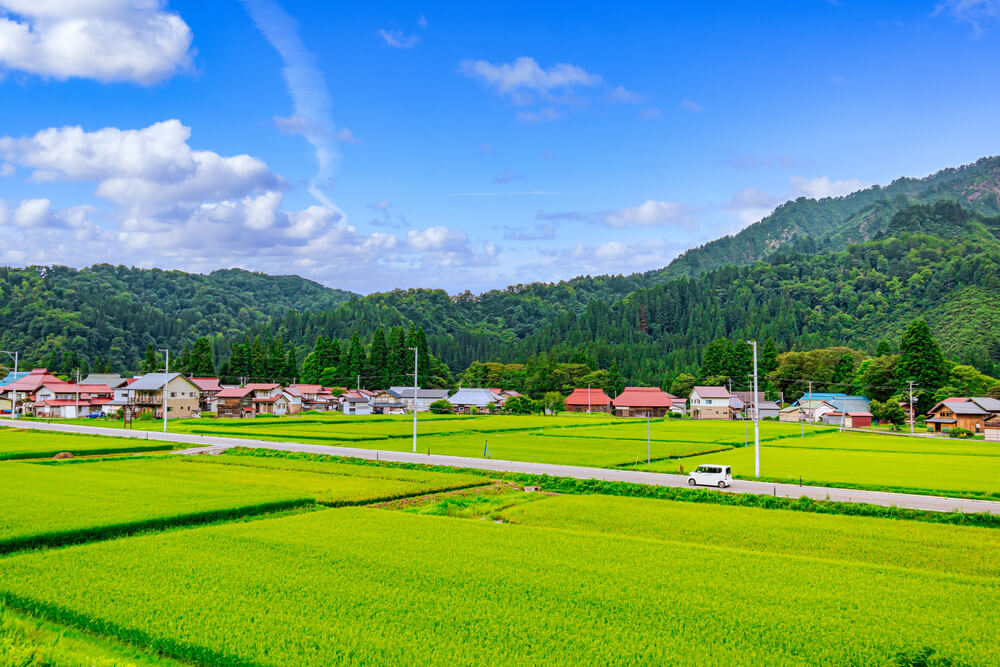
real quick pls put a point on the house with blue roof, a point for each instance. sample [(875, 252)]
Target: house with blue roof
[(843, 403)]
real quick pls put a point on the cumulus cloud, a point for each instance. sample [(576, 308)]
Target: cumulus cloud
[(539, 233), (7, 169), (106, 40), (647, 214), (146, 171), (170, 205), (610, 257), (750, 205)]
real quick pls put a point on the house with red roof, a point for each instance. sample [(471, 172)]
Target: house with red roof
[(588, 400), (235, 403), (208, 388), (24, 388), (643, 402), (65, 400), (710, 403), (268, 398)]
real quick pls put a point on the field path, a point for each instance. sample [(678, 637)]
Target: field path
[(207, 443)]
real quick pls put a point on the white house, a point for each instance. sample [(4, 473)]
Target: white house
[(465, 399), (356, 403), (710, 403), (424, 397)]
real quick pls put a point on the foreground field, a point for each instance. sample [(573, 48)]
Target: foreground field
[(883, 461), (55, 503), (25, 444), (359, 585)]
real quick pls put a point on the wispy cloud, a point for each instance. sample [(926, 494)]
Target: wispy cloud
[(397, 39), (526, 75), (693, 107), (310, 95), (621, 95), (650, 213), (977, 13)]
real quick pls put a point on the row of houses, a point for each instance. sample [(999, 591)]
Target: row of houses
[(703, 403), (42, 394)]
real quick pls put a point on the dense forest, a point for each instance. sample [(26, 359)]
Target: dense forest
[(847, 272)]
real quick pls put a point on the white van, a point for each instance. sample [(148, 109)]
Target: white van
[(711, 475)]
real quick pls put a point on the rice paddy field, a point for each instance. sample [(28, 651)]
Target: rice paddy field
[(360, 585), (162, 559)]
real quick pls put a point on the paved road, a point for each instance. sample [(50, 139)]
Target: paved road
[(211, 444)]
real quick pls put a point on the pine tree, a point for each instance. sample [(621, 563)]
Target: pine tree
[(312, 367), (353, 364), (884, 349), (378, 360), (397, 357), (257, 369), (768, 361), (291, 369), (151, 362), (200, 359)]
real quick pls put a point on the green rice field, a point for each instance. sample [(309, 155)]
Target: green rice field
[(27, 444), (358, 585)]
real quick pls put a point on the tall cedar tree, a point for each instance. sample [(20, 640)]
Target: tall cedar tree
[(398, 358), (200, 362), (920, 360), (378, 361)]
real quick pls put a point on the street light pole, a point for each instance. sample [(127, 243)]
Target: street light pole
[(415, 362), (166, 381), (13, 400), (911, 406), (756, 415)]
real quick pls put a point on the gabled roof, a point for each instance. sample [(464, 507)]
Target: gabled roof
[(12, 376), (207, 384), (960, 407), (987, 403), (859, 414), (768, 405), (32, 380), (263, 386), (234, 392), (473, 396), (584, 396), (113, 380), (157, 381), (747, 396), (306, 388), (711, 392), (813, 404), (407, 392), (643, 397)]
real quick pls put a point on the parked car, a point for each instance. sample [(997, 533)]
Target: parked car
[(711, 475)]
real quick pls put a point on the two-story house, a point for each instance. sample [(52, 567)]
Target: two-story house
[(710, 403), (147, 394)]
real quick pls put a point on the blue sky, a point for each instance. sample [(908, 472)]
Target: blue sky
[(461, 145)]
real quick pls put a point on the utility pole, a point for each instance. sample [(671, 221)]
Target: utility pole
[(415, 361), (359, 383), (588, 399), (77, 413), (756, 416), (910, 382), (13, 400), (648, 447), (166, 381)]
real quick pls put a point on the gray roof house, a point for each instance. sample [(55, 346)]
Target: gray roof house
[(112, 380), (467, 398)]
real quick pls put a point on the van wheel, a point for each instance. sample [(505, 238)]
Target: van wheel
[(690, 481), (722, 485)]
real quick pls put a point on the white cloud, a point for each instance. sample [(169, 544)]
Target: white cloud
[(106, 40), (171, 206), (542, 115), (310, 95), (620, 95), (818, 188), (397, 39), (693, 107), (525, 74), (977, 13), (751, 205), (145, 171), (436, 239), (610, 257), (647, 214)]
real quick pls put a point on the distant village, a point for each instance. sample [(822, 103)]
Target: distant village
[(38, 393)]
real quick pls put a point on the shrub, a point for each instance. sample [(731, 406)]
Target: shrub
[(440, 407), (960, 433), (675, 415)]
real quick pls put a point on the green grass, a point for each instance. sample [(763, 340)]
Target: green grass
[(360, 585), (71, 502), (866, 461), (28, 444)]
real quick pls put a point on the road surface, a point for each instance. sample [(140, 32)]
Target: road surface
[(213, 444)]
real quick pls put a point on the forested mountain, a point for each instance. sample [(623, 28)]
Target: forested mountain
[(112, 312), (835, 222), (798, 276)]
